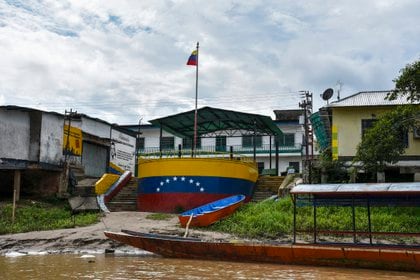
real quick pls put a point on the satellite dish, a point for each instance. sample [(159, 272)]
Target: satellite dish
[(328, 93)]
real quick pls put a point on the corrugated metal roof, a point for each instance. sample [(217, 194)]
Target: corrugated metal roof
[(356, 188), (210, 120), (369, 98)]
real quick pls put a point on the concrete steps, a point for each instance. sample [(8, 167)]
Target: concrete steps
[(126, 199), (266, 187)]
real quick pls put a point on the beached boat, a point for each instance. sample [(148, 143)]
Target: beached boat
[(348, 255), (174, 185), (212, 212)]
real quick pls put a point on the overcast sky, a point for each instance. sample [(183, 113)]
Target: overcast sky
[(125, 60)]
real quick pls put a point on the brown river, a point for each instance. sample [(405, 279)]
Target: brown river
[(120, 267)]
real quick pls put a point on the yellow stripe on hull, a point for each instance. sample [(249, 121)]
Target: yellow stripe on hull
[(214, 167)]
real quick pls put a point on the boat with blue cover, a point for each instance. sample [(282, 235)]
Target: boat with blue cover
[(210, 213)]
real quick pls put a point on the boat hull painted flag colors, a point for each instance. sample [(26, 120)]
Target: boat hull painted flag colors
[(193, 59)]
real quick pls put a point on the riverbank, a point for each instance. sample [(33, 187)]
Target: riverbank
[(91, 238)]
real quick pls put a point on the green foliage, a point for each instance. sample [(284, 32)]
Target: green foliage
[(334, 170), (159, 216), (271, 219), (382, 144), (41, 215), (408, 83), (265, 219)]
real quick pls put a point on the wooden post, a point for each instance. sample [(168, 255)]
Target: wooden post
[(14, 206), (16, 184)]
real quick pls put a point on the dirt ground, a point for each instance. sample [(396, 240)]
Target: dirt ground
[(92, 239)]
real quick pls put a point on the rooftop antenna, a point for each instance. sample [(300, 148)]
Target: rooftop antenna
[(340, 85), (328, 93)]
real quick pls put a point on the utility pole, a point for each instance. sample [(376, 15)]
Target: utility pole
[(138, 136), (306, 105), (68, 115)]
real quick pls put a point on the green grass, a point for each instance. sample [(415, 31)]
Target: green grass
[(47, 214), (159, 216), (272, 219)]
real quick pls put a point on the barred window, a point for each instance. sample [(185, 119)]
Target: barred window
[(247, 141), (187, 143)]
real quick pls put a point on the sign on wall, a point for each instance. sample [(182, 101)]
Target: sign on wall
[(72, 141), (122, 151)]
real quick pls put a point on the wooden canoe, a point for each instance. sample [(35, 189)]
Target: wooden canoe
[(345, 255), (212, 212)]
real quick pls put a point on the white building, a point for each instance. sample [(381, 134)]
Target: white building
[(32, 145), (153, 141)]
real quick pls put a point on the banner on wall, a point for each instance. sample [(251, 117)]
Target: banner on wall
[(72, 141), (122, 151)]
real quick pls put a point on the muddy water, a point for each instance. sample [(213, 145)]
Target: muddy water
[(147, 267)]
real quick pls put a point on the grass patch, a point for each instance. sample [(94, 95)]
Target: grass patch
[(47, 214), (272, 219), (159, 216)]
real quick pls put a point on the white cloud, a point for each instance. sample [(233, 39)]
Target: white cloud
[(118, 60)]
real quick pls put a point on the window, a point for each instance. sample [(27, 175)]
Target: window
[(167, 142), (404, 137), (366, 124), (140, 143), (247, 141), (187, 143), (221, 143), (288, 140)]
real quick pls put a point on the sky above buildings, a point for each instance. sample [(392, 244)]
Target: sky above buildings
[(125, 60)]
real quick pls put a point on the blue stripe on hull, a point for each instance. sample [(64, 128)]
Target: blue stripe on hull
[(193, 184)]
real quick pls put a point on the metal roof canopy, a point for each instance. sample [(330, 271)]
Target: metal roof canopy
[(351, 195), (337, 190), (213, 121), (379, 194)]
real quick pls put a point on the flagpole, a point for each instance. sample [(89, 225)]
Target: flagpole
[(196, 98)]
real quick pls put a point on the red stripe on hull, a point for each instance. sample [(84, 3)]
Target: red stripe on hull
[(176, 202)]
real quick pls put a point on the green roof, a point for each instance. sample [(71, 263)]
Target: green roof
[(214, 121)]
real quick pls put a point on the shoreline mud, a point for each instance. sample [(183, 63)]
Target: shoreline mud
[(91, 239)]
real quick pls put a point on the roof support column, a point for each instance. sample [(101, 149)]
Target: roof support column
[(160, 141), (253, 141), (277, 156), (314, 219), (270, 151), (354, 219), (294, 218), (369, 221)]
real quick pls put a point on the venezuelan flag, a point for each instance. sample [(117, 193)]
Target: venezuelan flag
[(193, 58)]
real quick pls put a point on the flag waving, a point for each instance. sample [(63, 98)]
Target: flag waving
[(193, 59)]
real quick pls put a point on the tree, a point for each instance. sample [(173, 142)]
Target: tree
[(384, 143), (408, 83)]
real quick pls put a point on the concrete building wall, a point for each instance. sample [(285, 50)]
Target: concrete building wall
[(51, 144), (348, 122), (96, 128), (15, 134)]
